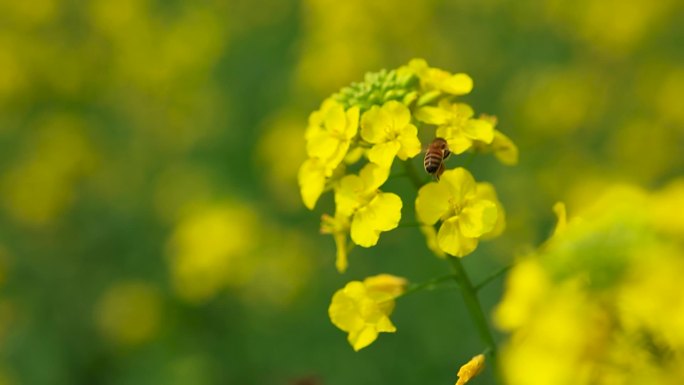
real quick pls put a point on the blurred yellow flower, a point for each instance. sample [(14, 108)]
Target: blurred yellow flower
[(501, 145), (129, 313), (471, 369), (600, 301), (208, 250), (456, 124), (390, 131), (465, 208), (435, 79), (371, 210), (42, 184), (362, 309)]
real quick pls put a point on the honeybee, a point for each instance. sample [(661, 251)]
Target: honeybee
[(435, 155)]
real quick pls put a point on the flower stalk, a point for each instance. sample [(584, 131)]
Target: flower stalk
[(469, 293)]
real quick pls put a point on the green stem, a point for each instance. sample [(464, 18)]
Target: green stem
[(475, 309), (427, 285), (492, 277)]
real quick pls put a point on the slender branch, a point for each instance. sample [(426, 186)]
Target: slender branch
[(427, 285), (501, 271), (475, 309)]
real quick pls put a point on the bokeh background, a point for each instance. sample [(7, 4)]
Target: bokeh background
[(151, 229)]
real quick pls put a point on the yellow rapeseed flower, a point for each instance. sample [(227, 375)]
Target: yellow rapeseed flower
[(467, 210), (129, 313), (435, 79), (390, 131), (330, 131), (328, 139), (456, 124), (501, 145), (471, 369), (372, 211), (362, 309)]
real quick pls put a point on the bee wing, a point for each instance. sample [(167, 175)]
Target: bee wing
[(440, 170)]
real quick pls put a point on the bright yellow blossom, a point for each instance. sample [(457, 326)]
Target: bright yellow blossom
[(330, 132), (362, 309), (390, 131), (471, 369), (466, 209), (435, 79), (456, 124), (371, 210), (501, 145), (328, 138)]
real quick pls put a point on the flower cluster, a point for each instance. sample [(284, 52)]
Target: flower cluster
[(362, 309), (600, 302), (352, 142), (368, 125)]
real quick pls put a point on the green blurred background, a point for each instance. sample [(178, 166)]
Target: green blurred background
[(151, 230)]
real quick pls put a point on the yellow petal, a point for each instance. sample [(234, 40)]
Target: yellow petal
[(477, 218), (470, 369), (410, 145), (384, 324), (347, 194), (458, 143), (457, 84), (320, 144), (374, 124), (399, 113), (464, 111), (431, 239), (486, 191), (311, 178), (373, 176), (478, 129), (352, 126), (381, 214), (363, 337), (386, 283), (343, 311), (386, 207), (451, 240), (383, 154), (504, 149), (335, 120), (459, 182), (432, 202), (433, 115)]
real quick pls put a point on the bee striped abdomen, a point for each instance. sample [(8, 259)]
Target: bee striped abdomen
[(434, 157), (432, 161)]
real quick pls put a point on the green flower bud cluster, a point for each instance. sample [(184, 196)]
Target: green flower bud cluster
[(379, 87)]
